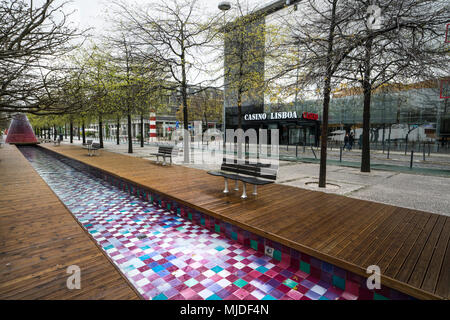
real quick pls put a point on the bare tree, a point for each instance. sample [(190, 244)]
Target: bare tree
[(321, 34), (334, 40), (175, 36), (31, 38), (244, 57), (403, 47), (205, 105)]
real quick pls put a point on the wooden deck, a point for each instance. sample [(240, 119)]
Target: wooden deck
[(39, 239), (411, 247)]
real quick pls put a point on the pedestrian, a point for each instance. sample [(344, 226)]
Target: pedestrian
[(351, 140), (346, 141)]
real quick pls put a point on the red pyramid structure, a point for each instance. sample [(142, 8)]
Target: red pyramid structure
[(20, 131)]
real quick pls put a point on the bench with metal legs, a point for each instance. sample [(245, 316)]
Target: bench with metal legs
[(165, 151), (255, 174), (93, 148)]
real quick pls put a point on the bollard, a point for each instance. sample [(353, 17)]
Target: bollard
[(389, 148), (296, 151), (429, 149), (411, 162), (313, 152), (340, 154), (424, 152)]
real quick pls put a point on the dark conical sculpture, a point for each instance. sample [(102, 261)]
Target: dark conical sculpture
[(20, 131)]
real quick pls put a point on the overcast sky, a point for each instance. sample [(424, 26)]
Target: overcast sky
[(92, 13)]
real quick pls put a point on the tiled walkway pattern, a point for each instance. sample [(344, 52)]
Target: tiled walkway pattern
[(167, 257)]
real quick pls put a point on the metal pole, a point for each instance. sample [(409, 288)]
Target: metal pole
[(340, 154), (224, 6), (406, 145), (412, 156), (424, 151), (313, 152)]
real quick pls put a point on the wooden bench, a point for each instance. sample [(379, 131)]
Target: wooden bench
[(165, 152), (57, 142), (253, 173), (87, 144), (93, 148)]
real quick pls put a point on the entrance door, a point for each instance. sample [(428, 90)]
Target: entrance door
[(294, 135), (284, 134)]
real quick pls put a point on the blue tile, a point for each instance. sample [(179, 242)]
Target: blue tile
[(262, 269), (217, 269), (160, 297), (158, 268)]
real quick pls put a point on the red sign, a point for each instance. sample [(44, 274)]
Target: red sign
[(310, 116)]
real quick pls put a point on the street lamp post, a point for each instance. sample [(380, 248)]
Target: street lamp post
[(224, 6)]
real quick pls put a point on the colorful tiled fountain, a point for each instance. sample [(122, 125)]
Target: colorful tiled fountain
[(168, 251)]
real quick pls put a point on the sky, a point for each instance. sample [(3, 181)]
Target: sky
[(92, 13)]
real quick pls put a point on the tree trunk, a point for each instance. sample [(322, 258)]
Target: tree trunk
[(130, 138), (186, 138), (71, 131), (367, 88), (142, 131), (326, 101), (118, 131), (55, 132), (100, 130), (78, 131), (206, 122), (239, 105), (83, 132)]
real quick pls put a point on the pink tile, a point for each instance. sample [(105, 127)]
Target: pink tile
[(241, 293), (294, 294)]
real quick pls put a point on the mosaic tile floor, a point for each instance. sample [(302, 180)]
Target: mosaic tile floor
[(167, 257)]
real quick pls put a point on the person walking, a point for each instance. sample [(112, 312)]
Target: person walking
[(351, 141), (346, 141)]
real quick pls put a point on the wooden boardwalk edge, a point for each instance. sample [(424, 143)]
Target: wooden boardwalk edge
[(33, 265)]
